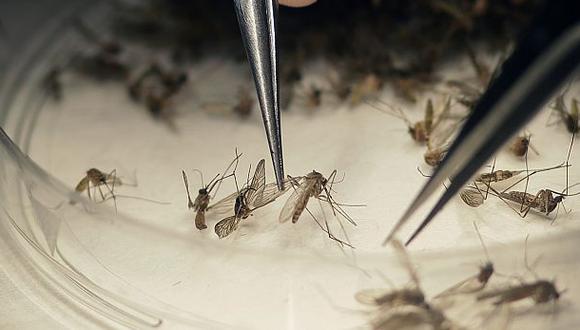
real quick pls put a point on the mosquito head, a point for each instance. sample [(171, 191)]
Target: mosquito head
[(553, 203), (485, 272), (202, 191), (546, 291)]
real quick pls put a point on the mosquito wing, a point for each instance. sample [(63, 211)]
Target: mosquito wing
[(406, 261), (224, 205), (371, 296), (471, 197), (258, 183), (269, 194), (290, 206), (468, 285), (226, 226), (83, 184)]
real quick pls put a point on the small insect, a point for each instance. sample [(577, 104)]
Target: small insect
[(314, 185), (313, 97), (473, 283), (570, 117), (419, 130), (94, 179), (365, 88), (389, 298), (104, 62), (201, 203), (521, 144), (404, 308), (540, 291), (254, 195), (434, 156), (245, 103), (155, 87), (544, 201)]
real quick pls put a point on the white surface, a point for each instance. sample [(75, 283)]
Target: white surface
[(163, 254)]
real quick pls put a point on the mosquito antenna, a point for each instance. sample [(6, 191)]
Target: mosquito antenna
[(527, 265), (200, 176), (212, 183), (481, 241), (186, 183)]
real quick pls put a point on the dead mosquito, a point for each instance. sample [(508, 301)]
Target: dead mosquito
[(570, 117), (312, 96), (365, 88), (473, 283), (94, 179), (245, 104), (474, 195), (155, 87), (391, 298), (204, 194), (520, 145), (315, 185), (540, 291), (403, 308), (245, 201), (102, 63)]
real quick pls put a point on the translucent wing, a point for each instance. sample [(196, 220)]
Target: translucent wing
[(370, 296), (290, 206), (406, 261), (83, 184), (471, 197), (258, 184), (224, 205), (469, 285), (268, 195), (226, 226)]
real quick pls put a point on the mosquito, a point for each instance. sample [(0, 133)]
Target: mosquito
[(391, 298), (201, 203), (245, 201), (520, 145), (315, 185), (476, 282), (420, 130), (245, 103), (94, 179), (102, 64), (312, 97), (402, 308), (364, 88), (540, 291), (570, 117)]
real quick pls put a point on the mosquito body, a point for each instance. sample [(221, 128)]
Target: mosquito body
[(544, 201), (254, 195), (387, 298), (473, 283), (94, 179), (540, 291), (313, 185), (202, 200), (245, 104)]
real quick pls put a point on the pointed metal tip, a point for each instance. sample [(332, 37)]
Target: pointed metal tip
[(257, 20)]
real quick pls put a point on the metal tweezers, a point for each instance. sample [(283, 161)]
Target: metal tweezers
[(546, 56)]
